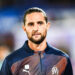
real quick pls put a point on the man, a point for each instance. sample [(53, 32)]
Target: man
[(36, 57)]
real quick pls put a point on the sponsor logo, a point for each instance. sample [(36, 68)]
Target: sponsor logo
[(55, 71), (26, 69)]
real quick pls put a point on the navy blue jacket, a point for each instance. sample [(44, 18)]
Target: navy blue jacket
[(25, 61)]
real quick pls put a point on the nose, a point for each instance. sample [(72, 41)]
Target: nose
[(36, 27)]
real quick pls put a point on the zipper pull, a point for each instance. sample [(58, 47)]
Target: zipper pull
[(39, 52)]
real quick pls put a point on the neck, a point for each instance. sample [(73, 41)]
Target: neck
[(37, 47)]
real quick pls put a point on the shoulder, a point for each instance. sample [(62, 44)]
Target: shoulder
[(56, 51), (15, 56)]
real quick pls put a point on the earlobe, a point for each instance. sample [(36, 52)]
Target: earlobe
[(23, 27)]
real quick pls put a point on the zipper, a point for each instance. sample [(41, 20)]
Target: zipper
[(40, 61)]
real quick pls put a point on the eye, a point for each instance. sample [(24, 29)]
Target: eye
[(40, 23), (30, 24)]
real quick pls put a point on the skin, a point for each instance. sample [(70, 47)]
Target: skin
[(36, 28), (4, 51)]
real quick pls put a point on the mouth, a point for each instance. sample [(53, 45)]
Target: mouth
[(36, 34)]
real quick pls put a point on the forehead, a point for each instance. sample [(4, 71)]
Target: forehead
[(35, 16)]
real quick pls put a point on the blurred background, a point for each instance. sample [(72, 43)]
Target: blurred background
[(61, 14)]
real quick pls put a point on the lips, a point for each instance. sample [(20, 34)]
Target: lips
[(36, 34)]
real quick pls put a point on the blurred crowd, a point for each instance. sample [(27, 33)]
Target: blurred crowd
[(6, 46)]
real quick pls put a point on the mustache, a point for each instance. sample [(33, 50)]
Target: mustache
[(36, 33)]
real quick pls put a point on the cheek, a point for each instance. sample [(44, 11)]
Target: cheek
[(43, 29), (29, 32)]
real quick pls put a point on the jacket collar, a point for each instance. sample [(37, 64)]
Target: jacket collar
[(29, 50)]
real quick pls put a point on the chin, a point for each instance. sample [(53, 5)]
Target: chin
[(37, 41)]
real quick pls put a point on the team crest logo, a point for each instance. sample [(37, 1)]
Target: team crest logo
[(26, 68), (55, 71)]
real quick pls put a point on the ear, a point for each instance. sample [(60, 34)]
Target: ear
[(48, 25), (23, 27)]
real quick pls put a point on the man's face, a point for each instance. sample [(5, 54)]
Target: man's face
[(36, 27)]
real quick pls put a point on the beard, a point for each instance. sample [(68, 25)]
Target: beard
[(38, 41)]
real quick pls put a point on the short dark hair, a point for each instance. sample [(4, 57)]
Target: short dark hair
[(34, 9)]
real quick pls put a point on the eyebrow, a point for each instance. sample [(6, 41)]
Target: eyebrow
[(32, 23), (40, 22)]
